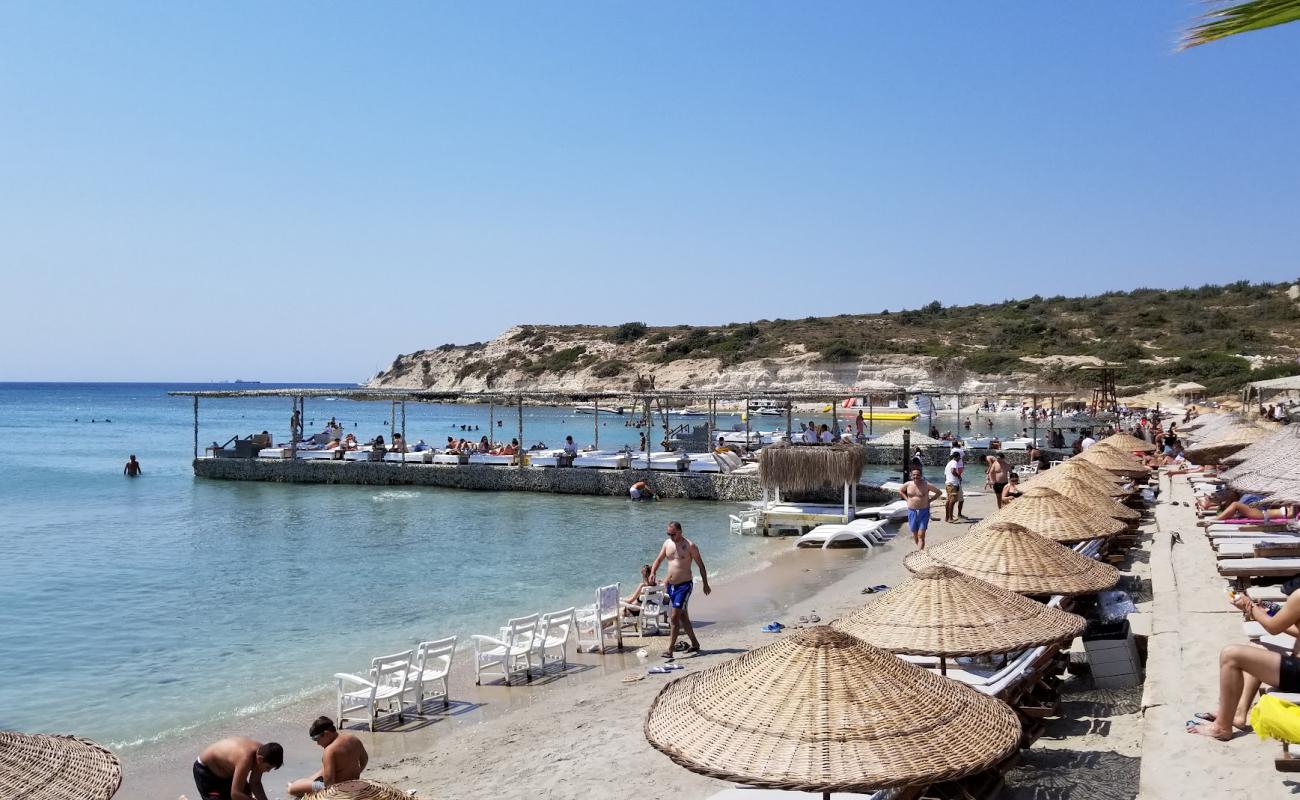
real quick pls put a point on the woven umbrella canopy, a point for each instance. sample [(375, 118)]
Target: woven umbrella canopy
[(942, 612), (1113, 461), (1089, 472), (1051, 514), (1278, 439), (1205, 421), (360, 790), (1235, 438), (823, 711), (800, 468), (47, 767), (1093, 495), (1128, 443), (1008, 555), (895, 439), (1272, 474)]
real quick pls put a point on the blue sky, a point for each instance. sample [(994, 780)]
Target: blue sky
[(300, 191)]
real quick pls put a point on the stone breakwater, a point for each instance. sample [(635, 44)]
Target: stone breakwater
[(475, 477)]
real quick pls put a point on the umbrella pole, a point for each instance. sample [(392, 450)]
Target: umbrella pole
[(943, 665)]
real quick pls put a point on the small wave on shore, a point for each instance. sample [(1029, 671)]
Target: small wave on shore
[(394, 495)]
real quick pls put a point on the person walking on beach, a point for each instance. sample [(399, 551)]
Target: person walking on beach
[(343, 760), (952, 483), (132, 468), (996, 477), (919, 494), (232, 769), (680, 553)]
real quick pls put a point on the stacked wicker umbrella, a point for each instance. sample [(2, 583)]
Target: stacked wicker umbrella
[(823, 711), (1279, 439), (48, 767), (1129, 443), (360, 790), (1207, 422), (1113, 461), (1093, 495), (1089, 473), (1276, 475), (1051, 514), (942, 612), (1009, 555)]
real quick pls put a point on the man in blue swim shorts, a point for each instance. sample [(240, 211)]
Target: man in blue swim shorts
[(680, 553), (919, 494)]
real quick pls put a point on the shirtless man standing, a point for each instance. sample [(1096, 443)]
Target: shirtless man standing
[(343, 760), (232, 769), (919, 494), (998, 474), (680, 552)]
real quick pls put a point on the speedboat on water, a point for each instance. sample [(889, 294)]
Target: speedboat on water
[(594, 409)]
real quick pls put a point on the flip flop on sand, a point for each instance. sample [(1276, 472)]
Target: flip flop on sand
[(803, 620), (1209, 716), (1204, 730), (633, 678), (814, 619)]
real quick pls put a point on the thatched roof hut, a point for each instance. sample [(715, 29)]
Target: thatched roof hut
[(895, 439), (799, 468)]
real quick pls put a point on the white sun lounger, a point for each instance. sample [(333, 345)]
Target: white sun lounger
[(1265, 594), (490, 460), (421, 457), (894, 511), (1259, 567), (544, 458), (601, 459), (444, 458), (865, 531)]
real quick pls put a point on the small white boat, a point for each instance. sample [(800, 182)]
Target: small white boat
[(593, 409)]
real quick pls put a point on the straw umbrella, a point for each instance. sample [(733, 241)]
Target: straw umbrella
[(942, 612), (1093, 495), (360, 790), (1013, 557), (1238, 437), (797, 468), (1089, 472), (1051, 514), (1113, 461), (1278, 439), (48, 767), (895, 439), (823, 711), (1129, 443)]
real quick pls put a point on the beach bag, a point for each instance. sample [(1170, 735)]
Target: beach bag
[(1273, 718)]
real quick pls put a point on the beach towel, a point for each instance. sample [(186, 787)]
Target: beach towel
[(1276, 719)]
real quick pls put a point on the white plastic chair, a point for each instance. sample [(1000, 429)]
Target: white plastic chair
[(745, 522), (600, 620), (511, 654), (551, 644), (429, 671), (651, 618), (384, 689)]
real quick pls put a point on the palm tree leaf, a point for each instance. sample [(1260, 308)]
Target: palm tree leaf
[(1244, 17)]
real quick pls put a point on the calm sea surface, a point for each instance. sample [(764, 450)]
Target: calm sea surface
[(132, 610)]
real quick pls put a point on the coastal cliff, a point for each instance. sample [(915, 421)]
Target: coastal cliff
[(1217, 335)]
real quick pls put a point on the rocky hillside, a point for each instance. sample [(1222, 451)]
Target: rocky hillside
[(1216, 335)]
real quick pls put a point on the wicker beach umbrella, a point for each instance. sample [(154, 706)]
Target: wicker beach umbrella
[(1206, 421), (1277, 439), (943, 612), (1009, 555), (895, 439), (1093, 495), (1275, 475), (47, 767), (1113, 461), (823, 711), (360, 790), (1237, 437), (1051, 514), (1090, 473), (1128, 443)]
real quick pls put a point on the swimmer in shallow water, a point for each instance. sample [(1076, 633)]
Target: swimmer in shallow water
[(132, 468)]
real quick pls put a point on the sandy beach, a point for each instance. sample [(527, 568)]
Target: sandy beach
[(565, 730)]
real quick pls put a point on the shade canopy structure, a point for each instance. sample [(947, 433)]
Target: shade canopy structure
[(943, 612), (1011, 556), (895, 439), (360, 790), (1190, 386), (1226, 442), (792, 467), (1113, 460), (1093, 495), (1129, 443), (1090, 473), (1268, 447), (1206, 423), (823, 711), (1276, 474), (1049, 513), (36, 766)]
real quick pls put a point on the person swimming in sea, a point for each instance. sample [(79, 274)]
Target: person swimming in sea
[(132, 468)]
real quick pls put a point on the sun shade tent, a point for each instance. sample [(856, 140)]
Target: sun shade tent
[(1114, 461), (360, 790), (822, 711), (1011, 556), (943, 612), (50, 767), (1092, 495), (1051, 514), (803, 468), (1232, 440), (895, 439)]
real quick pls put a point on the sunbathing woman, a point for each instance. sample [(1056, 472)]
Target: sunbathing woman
[(349, 442), (647, 580), (1242, 667), (1239, 510)]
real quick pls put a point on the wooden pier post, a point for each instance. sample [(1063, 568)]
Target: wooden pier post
[(405, 443), (1033, 412), (907, 452), (749, 410), (196, 426), (789, 420), (595, 424), (520, 455)]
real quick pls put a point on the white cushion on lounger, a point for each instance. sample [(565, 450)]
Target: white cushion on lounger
[(491, 460), (273, 452), (1266, 594), (894, 511), (1278, 642), (444, 458)]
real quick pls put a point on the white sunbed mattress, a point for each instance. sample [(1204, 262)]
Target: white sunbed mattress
[(444, 458), (544, 458), (491, 460), (604, 460), (410, 458)]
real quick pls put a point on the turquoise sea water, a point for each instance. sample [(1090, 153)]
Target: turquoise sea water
[(131, 610)]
